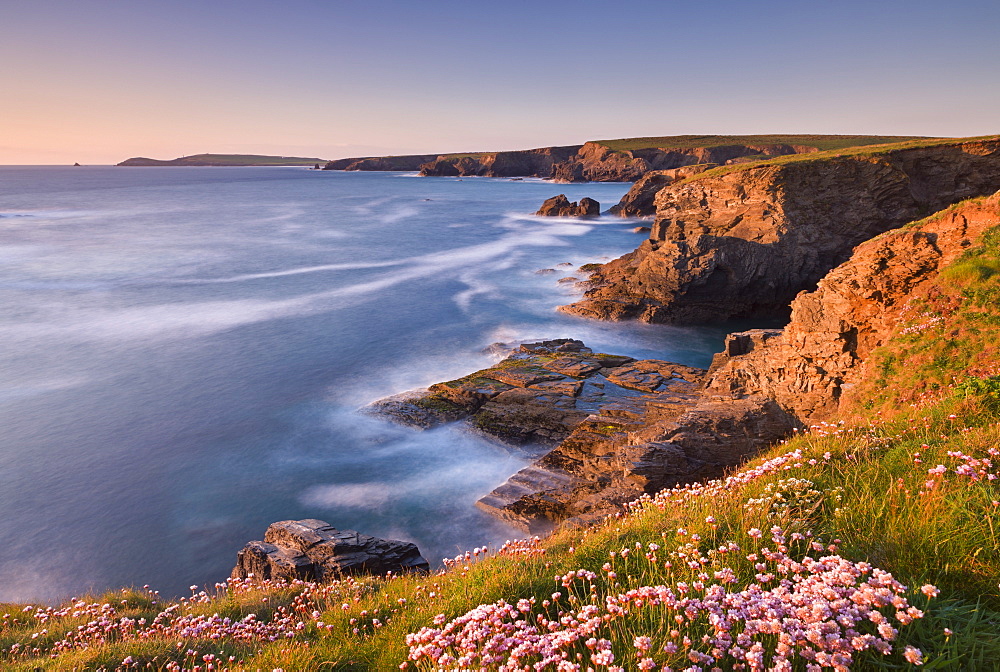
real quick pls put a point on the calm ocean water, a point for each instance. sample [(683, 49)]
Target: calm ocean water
[(184, 351)]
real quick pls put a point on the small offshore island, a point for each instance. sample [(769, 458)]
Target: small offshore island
[(824, 496)]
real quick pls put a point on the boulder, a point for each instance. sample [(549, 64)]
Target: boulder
[(314, 550), (560, 206)]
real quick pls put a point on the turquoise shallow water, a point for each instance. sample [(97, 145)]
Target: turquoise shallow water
[(184, 351)]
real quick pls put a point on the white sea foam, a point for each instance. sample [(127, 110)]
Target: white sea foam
[(398, 214), (347, 266), (349, 495)]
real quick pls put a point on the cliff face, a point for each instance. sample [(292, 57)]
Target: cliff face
[(824, 351), (744, 243), (762, 384), (597, 163), (640, 201), (410, 162), (527, 163)]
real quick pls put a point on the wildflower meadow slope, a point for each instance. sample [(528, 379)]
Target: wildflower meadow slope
[(868, 543)]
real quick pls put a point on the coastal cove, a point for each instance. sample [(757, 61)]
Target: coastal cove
[(186, 348)]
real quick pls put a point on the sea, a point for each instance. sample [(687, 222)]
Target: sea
[(184, 352)]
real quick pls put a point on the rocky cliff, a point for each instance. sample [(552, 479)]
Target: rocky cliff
[(623, 160), (640, 199), (408, 162), (595, 162), (742, 243), (619, 428), (526, 163), (823, 352)]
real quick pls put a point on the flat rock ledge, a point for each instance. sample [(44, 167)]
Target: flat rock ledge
[(537, 395), (614, 427), (313, 550)]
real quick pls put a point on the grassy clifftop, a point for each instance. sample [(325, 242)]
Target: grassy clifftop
[(820, 142), (845, 151), (872, 542)]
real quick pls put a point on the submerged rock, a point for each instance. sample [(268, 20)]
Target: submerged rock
[(315, 550)]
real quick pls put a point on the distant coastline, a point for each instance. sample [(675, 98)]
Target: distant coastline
[(226, 160)]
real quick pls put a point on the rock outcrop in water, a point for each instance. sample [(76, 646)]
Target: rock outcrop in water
[(537, 395), (560, 206), (617, 427), (315, 551), (743, 243)]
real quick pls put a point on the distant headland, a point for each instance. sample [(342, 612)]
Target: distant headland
[(622, 160), (225, 160)]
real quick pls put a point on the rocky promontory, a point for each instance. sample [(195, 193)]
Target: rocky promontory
[(743, 241), (408, 162), (525, 163), (640, 199), (224, 160), (624, 160), (616, 428)]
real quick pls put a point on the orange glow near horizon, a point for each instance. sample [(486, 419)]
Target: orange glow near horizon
[(98, 82)]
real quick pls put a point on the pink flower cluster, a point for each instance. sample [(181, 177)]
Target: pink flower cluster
[(104, 623), (824, 610), (681, 493), (970, 467)]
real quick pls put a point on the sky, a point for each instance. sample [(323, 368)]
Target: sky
[(99, 81)]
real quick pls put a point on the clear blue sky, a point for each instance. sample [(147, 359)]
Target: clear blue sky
[(99, 81)]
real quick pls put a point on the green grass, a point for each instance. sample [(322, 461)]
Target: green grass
[(466, 155), (856, 151), (865, 486), (821, 142)]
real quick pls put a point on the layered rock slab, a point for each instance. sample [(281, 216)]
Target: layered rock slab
[(639, 446), (536, 395), (743, 243), (617, 428), (314, 550)]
